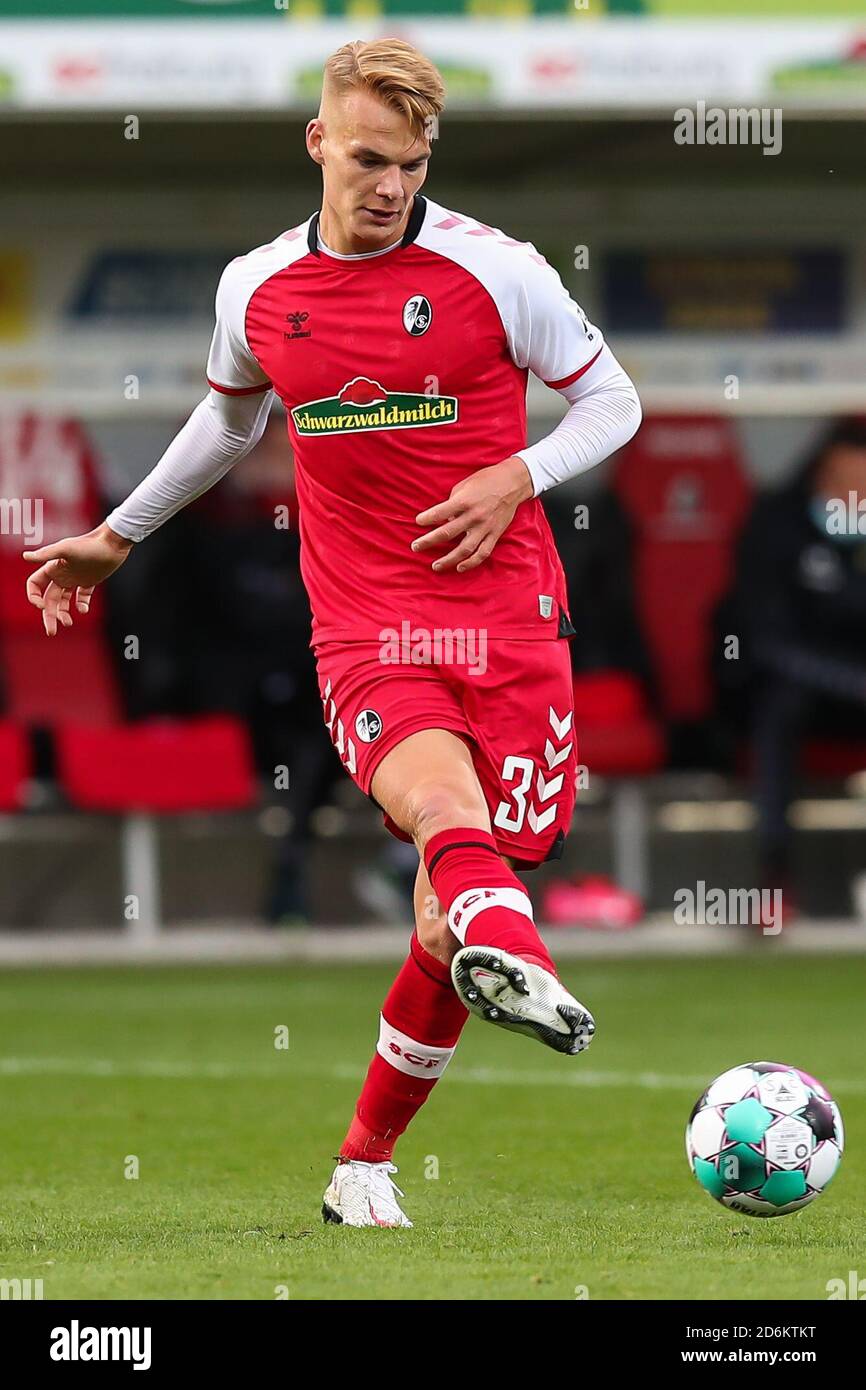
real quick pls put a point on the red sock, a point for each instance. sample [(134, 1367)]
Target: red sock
[(486, 903), (422, 1019)]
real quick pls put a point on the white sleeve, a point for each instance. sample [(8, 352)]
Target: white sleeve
[(231, 365), (220, 431), (547, 331), (605, 413)]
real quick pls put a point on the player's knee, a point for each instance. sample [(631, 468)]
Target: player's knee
[(431, 926), (437, 807)]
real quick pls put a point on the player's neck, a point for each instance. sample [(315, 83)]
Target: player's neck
[(338, 239)]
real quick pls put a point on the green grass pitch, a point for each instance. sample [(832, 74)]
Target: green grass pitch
[(554, 1174)]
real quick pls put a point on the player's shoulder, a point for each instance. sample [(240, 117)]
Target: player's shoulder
[(486, 251), (243, 275)]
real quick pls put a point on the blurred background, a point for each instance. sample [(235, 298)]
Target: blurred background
[(166, 780)]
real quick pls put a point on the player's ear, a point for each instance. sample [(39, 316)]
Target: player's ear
[(313, 136)]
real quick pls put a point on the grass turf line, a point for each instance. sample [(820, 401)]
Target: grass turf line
[(542, 1188)]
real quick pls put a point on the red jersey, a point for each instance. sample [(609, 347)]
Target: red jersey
[(402, 372)]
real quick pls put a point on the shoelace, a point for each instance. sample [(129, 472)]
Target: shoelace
[(380, 1178)]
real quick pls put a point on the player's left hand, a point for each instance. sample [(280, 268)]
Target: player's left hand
[(479, 509)]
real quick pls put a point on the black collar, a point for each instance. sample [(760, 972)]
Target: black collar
[(413, 226)]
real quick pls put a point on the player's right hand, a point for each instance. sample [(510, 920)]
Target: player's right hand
[(72, 568)]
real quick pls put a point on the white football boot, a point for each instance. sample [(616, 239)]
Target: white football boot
[(362, 1194), (513, 994)]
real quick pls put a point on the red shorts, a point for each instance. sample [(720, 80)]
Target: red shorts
[(511, 702)]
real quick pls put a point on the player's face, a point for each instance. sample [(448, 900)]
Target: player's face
[(372, 166), (843, 470)]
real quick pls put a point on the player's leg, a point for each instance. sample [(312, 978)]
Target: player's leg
[(429, 787), (369, 708), (425, 781), (519, 713), (419, 1027)]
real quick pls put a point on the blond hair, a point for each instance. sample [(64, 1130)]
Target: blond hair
[(396, 73)]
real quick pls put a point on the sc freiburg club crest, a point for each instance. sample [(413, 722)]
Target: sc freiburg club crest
[(417, 315), (368, 726)]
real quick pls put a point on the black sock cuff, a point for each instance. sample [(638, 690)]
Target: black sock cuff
[(459, 844)]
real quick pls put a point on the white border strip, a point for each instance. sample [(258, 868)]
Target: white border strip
[(557, 1077), (196, 945)]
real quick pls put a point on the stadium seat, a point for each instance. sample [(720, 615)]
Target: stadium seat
[(68, 677), (617, 737), (682, 483), (15, 765), (833, 757), (155, 767), (47, 470), (158, 765)]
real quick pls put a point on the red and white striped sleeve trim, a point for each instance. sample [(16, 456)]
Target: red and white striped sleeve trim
[(239, 390), (569, 380)]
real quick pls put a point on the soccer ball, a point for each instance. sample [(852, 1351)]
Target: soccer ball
[(764, 1139)]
